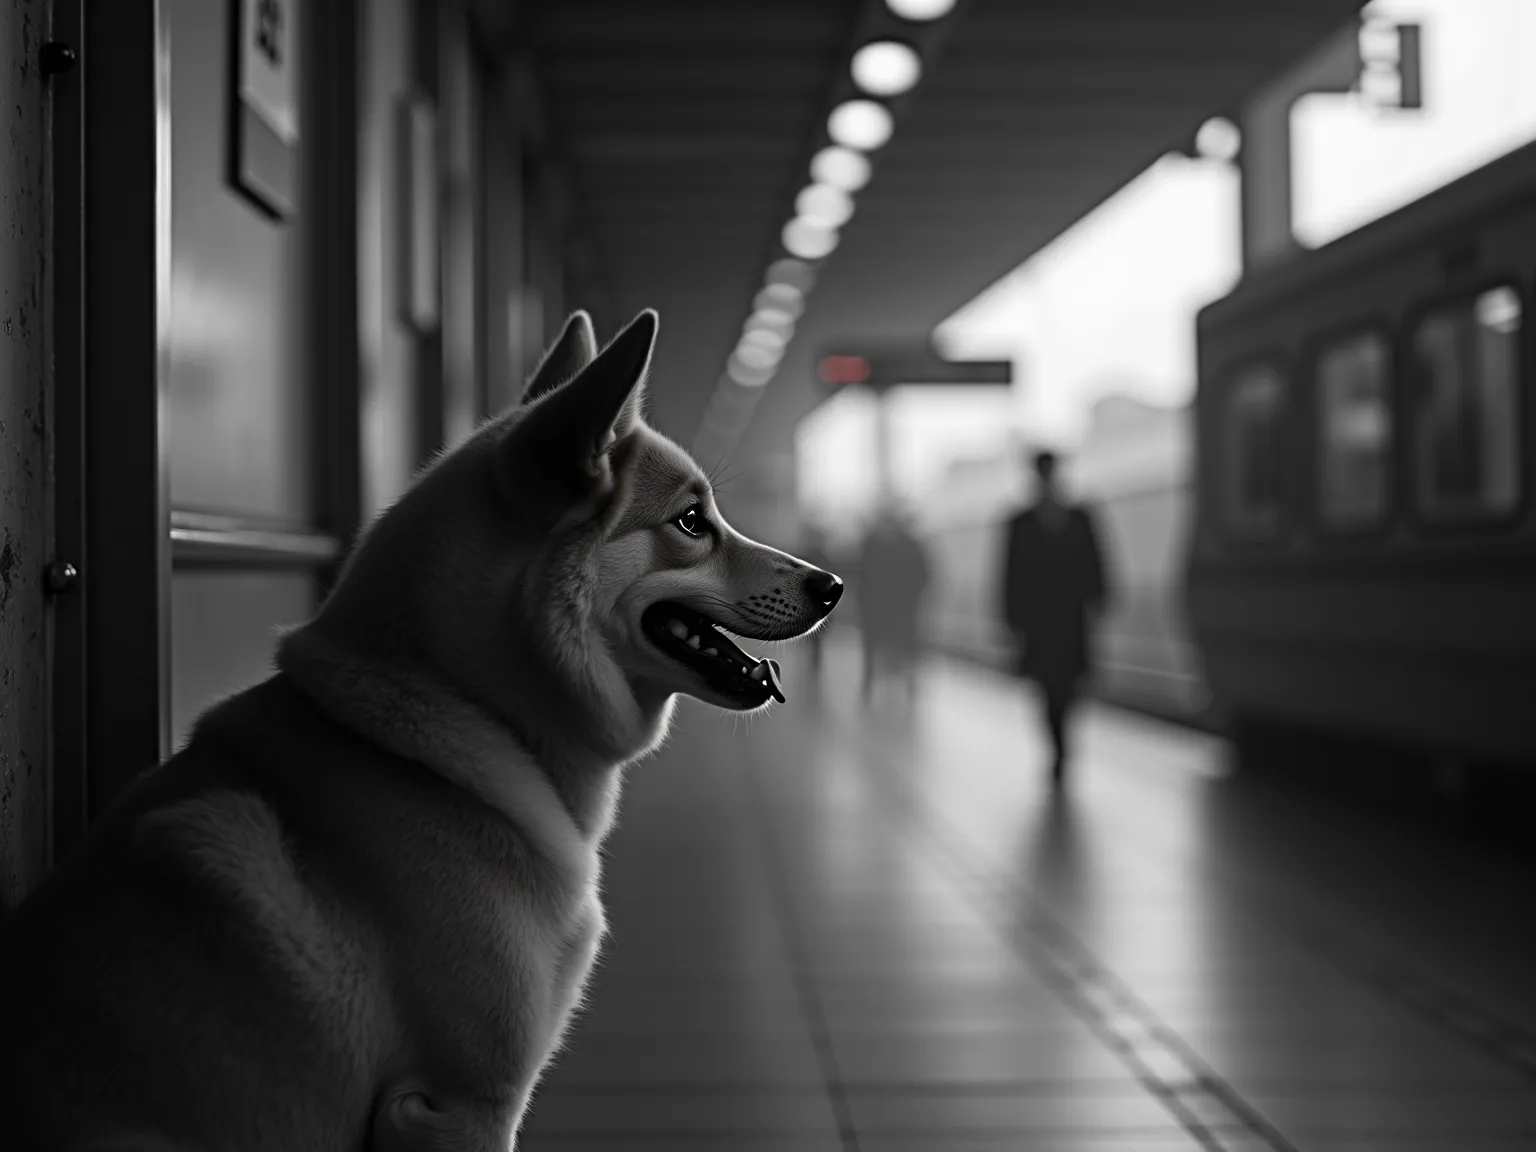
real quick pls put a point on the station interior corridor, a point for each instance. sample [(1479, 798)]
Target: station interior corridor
[(880, 930)]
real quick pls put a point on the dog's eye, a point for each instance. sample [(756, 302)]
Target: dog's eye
[(691, 521)]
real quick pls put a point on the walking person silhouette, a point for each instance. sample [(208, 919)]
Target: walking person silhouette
[(1053, 590)]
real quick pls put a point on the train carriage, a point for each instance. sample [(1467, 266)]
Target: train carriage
[(1363, 559)]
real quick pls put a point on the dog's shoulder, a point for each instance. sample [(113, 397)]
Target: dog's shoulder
[(233, 824), (230, 846)]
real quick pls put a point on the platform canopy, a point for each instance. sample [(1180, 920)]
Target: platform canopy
[(686, 127)]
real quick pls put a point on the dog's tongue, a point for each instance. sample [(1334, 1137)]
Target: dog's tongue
[(771, 677), (767, 672)]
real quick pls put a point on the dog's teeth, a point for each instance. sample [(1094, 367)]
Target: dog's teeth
[(693, 641), (711, 651), (678, 629), (758, 671)]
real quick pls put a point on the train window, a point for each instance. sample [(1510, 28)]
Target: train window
[(1255, 488), (1354, 432), (1465, 377)]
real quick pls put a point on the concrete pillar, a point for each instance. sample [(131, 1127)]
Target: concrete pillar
[(1266, 155)]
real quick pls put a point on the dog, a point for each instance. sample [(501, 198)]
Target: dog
[(357, 909)]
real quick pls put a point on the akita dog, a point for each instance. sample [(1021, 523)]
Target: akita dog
[(358, 908)]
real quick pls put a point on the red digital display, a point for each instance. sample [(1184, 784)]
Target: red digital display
[(843, 370)]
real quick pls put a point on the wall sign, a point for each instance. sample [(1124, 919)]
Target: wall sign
[(265, 134)]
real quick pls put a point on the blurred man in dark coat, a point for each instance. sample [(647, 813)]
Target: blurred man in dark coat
[(1053, 589)]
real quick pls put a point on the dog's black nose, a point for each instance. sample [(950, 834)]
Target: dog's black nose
[(824, 588)]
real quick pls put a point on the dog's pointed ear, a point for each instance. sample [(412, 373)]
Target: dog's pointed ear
[(572, 351), (603, 399), (562, 442)]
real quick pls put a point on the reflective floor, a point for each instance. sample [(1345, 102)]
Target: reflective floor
[(840, 928)]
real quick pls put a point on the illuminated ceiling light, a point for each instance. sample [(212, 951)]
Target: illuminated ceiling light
[(808, 239), (840, 167), (795, 273), (773, 320), (920, 9), (782, 295), (886, 68), (764, 338), (824, 205), (786, 311), (1218, 139), (747, 376), (758, 357), (773, 316), (1499, 309), (861, 124)]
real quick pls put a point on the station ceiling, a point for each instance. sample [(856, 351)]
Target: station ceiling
[(687, 125)]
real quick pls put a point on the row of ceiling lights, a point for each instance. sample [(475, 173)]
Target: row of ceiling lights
[(880, 69)]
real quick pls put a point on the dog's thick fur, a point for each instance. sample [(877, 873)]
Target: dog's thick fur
[(357, 909)]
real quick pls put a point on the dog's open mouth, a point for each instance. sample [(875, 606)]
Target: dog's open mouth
[(702, 645)]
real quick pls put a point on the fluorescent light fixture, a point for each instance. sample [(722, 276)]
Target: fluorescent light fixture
[(1499, 309), (746, 375), (808, 239), (840, 167), (772, 320), (1218, 139), (886, 67), (758, 357), (861, 124), (920, 9), (795, 273), (764, 338), (781, 294), (824, 205), (789, 307)]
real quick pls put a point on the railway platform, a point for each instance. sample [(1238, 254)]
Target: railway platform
[(879, 929)]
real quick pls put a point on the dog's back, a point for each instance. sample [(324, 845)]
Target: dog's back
[(249, 886)]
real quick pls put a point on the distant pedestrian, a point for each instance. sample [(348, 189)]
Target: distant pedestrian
[(893, 577), (1053, 590)]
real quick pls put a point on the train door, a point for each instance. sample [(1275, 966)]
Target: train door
[(206, 334), (259, 416), (241, 376)]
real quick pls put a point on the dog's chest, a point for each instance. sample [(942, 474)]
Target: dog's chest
[(494, 950)]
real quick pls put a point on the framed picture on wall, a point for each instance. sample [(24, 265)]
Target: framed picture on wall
[(265, 133), (419, 241)]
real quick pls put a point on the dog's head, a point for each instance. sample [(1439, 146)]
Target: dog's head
[(568, 566)]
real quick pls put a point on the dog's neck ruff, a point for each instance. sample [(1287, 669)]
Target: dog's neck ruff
[(405, 711)]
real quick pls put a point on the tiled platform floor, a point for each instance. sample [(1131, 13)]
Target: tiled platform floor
[(845, 929)]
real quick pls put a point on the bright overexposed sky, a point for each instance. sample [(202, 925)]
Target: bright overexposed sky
[(1109, 306), (1352, 163), (930, 427)]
